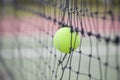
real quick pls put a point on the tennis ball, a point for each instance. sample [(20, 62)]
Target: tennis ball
[(64, 39)]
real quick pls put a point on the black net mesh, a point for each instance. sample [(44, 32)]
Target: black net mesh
[(27, 29)]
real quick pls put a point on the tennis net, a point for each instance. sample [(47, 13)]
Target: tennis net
[(27, 30)]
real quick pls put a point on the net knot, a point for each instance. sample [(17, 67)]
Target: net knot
[(77, 72), (70, 67), (51, 51), (106, 64), (54, 20), (96, 13), (53, 71), (103, 17), (90, 55), (80, 52), (117, 40), (55, 76), (117, 68), (82, 31), (110, 12), (98, 36), (49, 18), (77, 30), (60, 23), (89, 75), (89, 33), (55, 55), (99, 58), (71, 29), (107, 40)]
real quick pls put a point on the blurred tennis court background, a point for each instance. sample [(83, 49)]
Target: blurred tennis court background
[(27, 28)]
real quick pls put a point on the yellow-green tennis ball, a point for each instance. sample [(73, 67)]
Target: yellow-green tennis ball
[(63, 40)]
